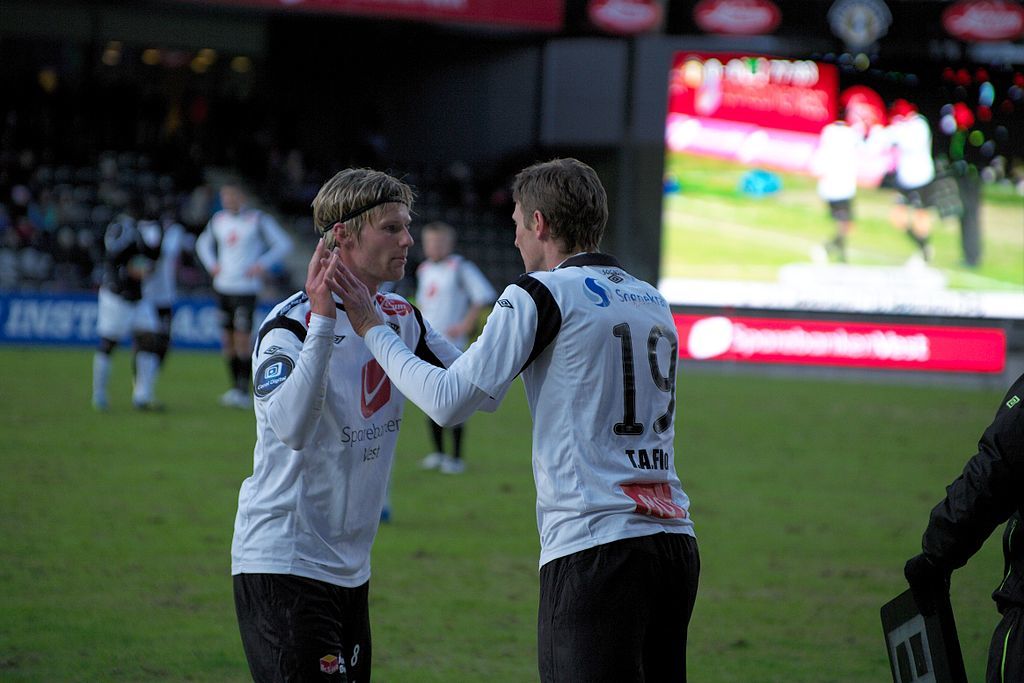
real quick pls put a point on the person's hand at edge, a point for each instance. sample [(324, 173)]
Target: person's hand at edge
[(358, 300), (322, 267), (928, 583)]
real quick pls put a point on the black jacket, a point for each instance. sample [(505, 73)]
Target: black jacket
[(989, 492)]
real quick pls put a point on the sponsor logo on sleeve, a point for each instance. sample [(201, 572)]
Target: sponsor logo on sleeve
[(505, 303), (271, 374)]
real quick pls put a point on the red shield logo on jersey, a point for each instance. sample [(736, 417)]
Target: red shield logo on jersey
[(393, 306), (376, 390)]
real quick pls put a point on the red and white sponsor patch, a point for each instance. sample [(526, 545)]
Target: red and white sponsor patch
[(393, 306), (654, 500)]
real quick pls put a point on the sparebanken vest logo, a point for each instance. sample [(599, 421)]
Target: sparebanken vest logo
[(376, 391)]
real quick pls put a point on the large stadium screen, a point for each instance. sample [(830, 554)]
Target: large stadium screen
[(800, 185)]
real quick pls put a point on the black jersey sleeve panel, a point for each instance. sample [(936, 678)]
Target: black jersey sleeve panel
[(549, 316), (281, 322), (422, 350)]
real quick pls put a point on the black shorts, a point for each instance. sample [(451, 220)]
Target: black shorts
[(298, 629), (618, 611), (917, 197), (164, 318), (841, 209), (236, 311)]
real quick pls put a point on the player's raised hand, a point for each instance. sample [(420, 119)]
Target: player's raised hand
[(359, 301), (321, 268)]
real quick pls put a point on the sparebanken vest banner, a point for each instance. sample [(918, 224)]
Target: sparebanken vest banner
[(70, 320), (879, 345)]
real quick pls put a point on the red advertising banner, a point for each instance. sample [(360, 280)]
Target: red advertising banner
[(548, 15), (756, 110), (769, 92), (843, 344)]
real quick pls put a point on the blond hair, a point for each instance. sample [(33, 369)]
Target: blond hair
[(354, 197)]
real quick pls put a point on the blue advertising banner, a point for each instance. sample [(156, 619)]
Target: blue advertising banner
[(29, 319)]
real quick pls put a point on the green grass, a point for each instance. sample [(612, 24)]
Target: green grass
[(808, 496), (711, 231)]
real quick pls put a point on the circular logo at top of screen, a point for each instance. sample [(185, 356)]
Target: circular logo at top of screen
[(596, 292), (859, 22), (709, 337)]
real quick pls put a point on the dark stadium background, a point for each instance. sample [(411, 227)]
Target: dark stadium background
[(188, 92)]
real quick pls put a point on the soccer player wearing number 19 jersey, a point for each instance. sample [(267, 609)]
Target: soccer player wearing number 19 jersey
[(597, 349)]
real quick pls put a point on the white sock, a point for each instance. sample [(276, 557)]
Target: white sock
[(146, 366), (100, 376)]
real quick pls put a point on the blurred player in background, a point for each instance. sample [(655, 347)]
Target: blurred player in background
[(327, 423), (989, 492), (159, 292), (131, 247), (911, 135), (452, 293), (238, 246), (836, 164), (597, 351)]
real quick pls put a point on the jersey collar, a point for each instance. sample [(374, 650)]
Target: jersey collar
[(589, 259)]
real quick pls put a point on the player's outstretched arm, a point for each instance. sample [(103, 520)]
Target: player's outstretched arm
[(445, 396)]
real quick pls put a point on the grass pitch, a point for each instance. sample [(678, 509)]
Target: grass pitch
[(808, 496), (712, 231)]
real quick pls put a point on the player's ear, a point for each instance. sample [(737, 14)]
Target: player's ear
[(541, 226), (342, 234)]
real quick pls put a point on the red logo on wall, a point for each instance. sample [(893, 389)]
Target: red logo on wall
[(984, 20), (624, 16), (737, 17), (376, 389)]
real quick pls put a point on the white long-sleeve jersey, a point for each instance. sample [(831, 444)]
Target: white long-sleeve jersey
[(446, 289), (235, 242), (327, 421), (597, 351)]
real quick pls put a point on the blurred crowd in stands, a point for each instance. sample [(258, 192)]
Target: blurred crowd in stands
[(53, 216), (53, 213)]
